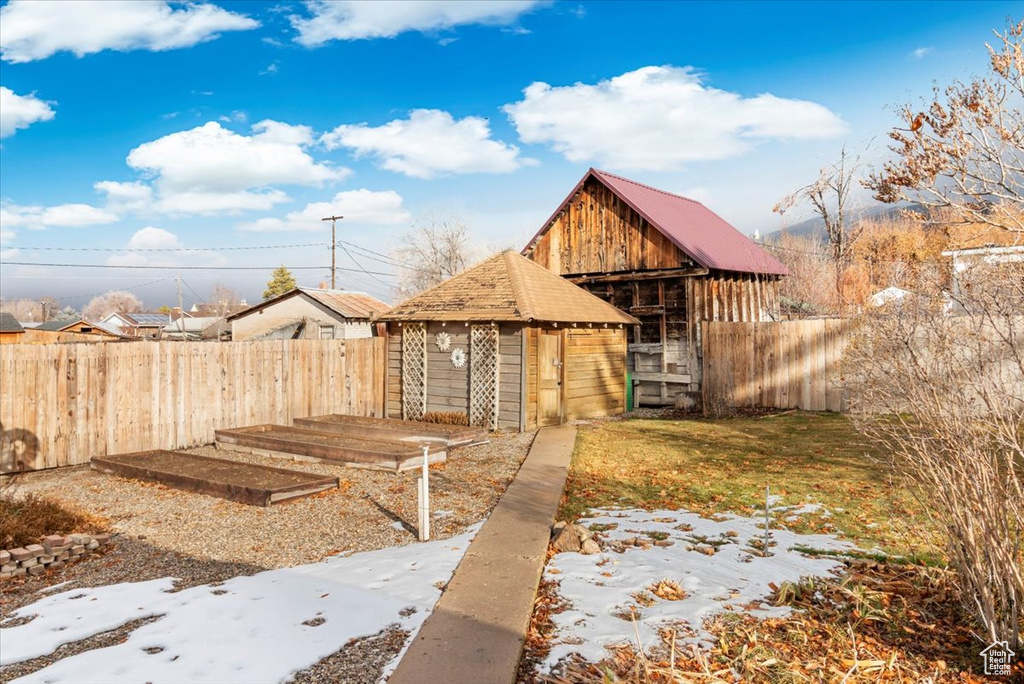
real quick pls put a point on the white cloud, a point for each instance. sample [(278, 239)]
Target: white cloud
[(58, 216), (922, 52), (20, 111), (166, 250), (271, 69), (660, 117), (151, 237), (36, 30), (133, 196), (210, 169), (355, 19), (428, 143), (359, 207)]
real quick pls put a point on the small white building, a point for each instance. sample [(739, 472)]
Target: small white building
[(309, 314)]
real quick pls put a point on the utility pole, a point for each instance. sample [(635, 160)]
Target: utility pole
[(334, 242), (181, 310)]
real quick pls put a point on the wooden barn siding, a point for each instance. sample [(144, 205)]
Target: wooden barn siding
[(784, 365), (447, 386), (85, 400), (595, 372), (597, 233)]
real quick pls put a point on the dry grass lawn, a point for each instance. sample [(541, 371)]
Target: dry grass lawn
[(723, 465)]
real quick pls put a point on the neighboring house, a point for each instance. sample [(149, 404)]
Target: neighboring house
[(508, 344), (143, 325), (11, 331), (79, 326), (667, 260), (978, 262), (188, 327), (307, 313)]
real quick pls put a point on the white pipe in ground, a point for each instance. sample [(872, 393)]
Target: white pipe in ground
[(423, 488)]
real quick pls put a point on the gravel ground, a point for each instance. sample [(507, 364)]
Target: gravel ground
[(370, 510), (162, 532)]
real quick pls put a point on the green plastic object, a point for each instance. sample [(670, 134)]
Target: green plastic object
[(629, 391)]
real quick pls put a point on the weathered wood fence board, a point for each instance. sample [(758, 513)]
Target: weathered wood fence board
[(789, 364), (63, 404)]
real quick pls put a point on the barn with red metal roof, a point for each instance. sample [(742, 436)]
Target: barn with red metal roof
[(665, 259)]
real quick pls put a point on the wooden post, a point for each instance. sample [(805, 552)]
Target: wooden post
[(424, 497)]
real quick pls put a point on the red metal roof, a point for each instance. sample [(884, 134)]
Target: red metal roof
[(702, 234)]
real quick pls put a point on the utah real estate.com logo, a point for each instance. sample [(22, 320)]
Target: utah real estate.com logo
[(998, 657)]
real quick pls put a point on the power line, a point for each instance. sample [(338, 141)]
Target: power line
[(384, 258), (360, 265), (97, 294), (196, 268), (183, 250)]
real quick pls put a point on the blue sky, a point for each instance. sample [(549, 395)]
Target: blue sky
[(131, 127)]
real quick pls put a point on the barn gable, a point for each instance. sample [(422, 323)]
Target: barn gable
[(612, 224)]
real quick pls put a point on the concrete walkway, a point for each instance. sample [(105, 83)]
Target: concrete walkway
[(476, 632)]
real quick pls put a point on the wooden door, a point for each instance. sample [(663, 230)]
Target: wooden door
[(549, 381)]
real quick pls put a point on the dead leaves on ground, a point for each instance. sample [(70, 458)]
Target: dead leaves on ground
[(877, 623)]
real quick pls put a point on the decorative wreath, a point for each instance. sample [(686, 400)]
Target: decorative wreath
[(458, 357), (443, 341)]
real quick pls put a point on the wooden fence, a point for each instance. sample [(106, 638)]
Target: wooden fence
[(784, 365), (63, 404)]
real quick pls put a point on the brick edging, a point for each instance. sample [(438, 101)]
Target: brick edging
[(55, 551)]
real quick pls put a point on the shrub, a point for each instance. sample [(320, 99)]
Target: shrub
[(26, 520), (446, 417)]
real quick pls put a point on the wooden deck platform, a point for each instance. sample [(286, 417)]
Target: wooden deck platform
[(233, 480), (328, 447), (391, 429)]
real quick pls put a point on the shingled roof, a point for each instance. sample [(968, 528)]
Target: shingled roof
[(700, 233), (10, 324), (507, 287), (355, 305)]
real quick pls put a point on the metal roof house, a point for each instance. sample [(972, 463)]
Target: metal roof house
[(510, 345), (308, 313), (667, 260)]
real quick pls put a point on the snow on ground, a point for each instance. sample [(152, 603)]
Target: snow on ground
[(600, 588), (260, 628)]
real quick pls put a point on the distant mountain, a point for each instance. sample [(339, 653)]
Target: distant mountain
[(815, 227)]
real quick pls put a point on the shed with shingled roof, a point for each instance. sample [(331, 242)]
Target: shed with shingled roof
[(508, 344)]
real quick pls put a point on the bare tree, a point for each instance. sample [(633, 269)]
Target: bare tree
[(938, 380), (433, 250), (223, 300), (964, 150), (23, 309), (115, 301), (829, 198)]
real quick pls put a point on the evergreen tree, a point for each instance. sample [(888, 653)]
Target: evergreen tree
[(280, 282)]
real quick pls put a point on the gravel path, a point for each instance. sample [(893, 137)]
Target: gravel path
[(162, 532), (371, 509)]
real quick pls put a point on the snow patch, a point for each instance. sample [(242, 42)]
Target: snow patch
[(261, 628), (600, 587)]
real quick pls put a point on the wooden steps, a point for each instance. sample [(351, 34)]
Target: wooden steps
[(329, 447), (393, 430), (247, 483)]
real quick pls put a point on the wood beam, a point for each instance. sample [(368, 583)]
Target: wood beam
[(637, 275)]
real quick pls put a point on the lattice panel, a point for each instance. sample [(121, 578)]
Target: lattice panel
[(414, 370), (483, 376)]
